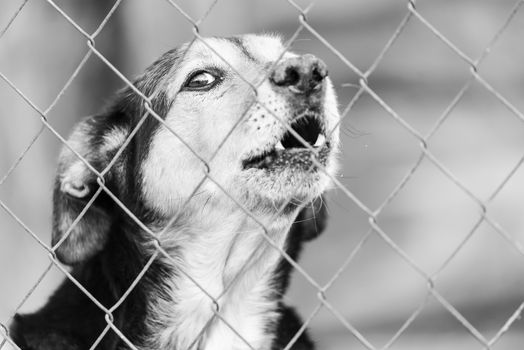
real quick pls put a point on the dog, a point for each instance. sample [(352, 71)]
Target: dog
[(219, 178)]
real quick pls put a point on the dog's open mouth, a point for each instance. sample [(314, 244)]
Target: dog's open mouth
[(292, 152)]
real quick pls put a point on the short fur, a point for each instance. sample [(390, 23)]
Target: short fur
[(213, 244)]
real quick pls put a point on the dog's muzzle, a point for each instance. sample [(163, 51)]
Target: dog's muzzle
[(302, 79)]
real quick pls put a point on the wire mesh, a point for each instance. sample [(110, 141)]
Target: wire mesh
[(474, 65)]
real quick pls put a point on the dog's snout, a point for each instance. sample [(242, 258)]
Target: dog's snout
[(303, 74)]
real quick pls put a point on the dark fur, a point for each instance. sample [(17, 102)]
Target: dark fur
[(107, 259)]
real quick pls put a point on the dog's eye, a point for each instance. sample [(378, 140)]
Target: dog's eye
[(201, 80)]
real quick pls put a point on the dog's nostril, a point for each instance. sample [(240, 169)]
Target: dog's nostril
[(290, 77), (318, 74)]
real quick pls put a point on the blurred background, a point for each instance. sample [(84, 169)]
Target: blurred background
[(480, 143)]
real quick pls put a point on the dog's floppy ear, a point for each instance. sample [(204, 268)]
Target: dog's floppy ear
[(95, 139), (312, 219)]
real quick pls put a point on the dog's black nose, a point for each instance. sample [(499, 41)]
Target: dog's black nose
[(302, 74)]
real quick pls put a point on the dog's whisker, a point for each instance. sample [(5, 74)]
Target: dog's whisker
[(314, 217), (304, 220)]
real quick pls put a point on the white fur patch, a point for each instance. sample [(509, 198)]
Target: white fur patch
[(233, 256), (113, 140), (266, 48)]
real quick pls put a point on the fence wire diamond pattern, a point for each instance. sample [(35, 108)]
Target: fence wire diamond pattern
[(373, 214)]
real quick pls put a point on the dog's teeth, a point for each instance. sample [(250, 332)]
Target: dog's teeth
[(320, 140), (279, 146)]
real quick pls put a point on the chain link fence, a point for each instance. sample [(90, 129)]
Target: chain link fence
[(472, 78)]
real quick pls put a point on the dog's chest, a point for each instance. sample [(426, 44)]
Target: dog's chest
[(222, 295)]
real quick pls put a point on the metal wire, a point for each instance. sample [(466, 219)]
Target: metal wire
[(430, 277)]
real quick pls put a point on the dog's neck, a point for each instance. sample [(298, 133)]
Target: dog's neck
[(221, 261)]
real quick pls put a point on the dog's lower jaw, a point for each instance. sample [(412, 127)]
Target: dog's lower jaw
[(221, 294)]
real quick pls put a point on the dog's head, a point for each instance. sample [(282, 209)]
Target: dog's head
[(231, 109)]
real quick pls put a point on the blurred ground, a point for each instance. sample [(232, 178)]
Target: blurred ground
[(480, 143)]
